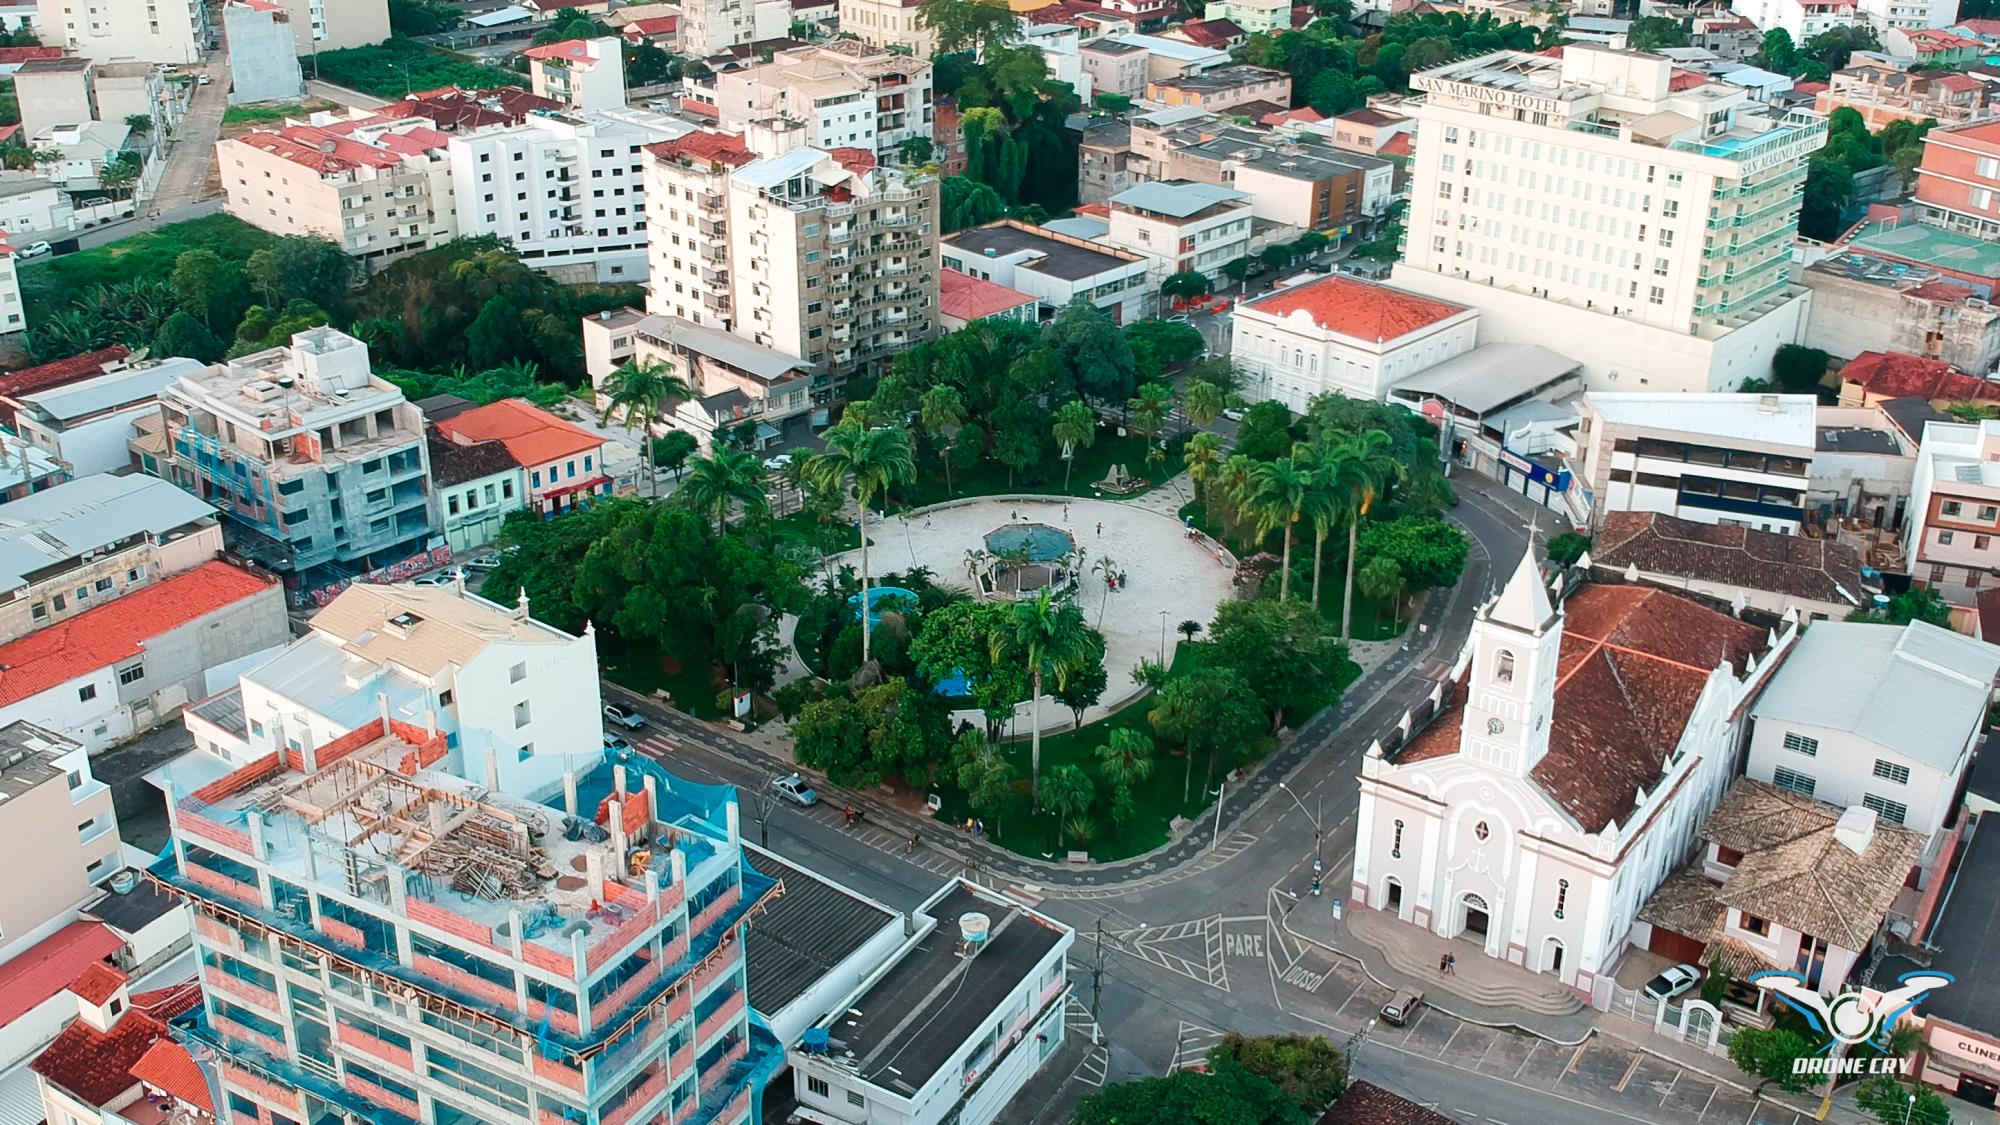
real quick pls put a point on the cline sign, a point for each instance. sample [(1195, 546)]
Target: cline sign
[(1475, 92)]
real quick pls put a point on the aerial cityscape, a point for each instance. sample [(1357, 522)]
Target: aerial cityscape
[(601, 562)]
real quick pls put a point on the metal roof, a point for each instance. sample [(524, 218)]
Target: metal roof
[(1178, 199), (79, 516), (723, 347), (804, 933), (1776, 419), (108, 392), (1489, 377)]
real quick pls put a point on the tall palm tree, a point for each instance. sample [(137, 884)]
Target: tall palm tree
[(1150, 406), (1127, 757), (1322, 506), (1075, 428), (1358, 470), (1382, 578), (1048, 635), (1203, 456), (868, 461), (1203, 401), (1233, 477), (640, 388), (941, 412), (723, 477), (1276, 495)]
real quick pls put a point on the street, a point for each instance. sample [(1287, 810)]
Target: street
[(193, 151)]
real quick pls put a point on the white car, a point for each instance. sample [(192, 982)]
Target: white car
[(205, 80), (449, 576), (795, 790), (1178, 318), (779, 463), (1233, 414), (34, 250), (483, 563), (1673, 982)]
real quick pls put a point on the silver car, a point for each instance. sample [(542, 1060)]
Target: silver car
[(795, 790)]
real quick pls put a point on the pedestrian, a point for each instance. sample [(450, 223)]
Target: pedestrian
[(979, 827), (847, 815), (1100, 529), (912, 845), (1451, 963), (1444, 963)]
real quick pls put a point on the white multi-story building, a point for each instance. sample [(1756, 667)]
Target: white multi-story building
[(1803, 19), (88, 424), (1060, 46), (1181, 227), (161, 31), (380, 187), (566, 190), (710, 27), (1338, 335), (951, 1028), (1739, 459), (887, 23), (1882, 716), (13, 313), (841, 94), (579, 73), (1951, 536), (822, 256), (1054, 268), (1586, 199), (332, 25), (1534, 814)]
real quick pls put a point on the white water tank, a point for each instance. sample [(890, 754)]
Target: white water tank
[(973, 928)]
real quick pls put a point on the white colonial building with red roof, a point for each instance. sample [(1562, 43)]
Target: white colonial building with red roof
[(1337, 335), (1532, 805)]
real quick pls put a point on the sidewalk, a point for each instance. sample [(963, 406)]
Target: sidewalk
[(1844, 1111)]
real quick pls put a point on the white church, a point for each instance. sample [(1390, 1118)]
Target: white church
[(1561, 773)]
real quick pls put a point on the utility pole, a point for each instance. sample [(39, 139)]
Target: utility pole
[(1097, 976)]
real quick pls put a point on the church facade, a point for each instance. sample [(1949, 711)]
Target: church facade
[(1543, 792)]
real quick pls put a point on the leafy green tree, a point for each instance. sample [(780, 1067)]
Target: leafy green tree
[(1768, 1054), (209, 288), (867, 461), (1715, 984), (1126, 758), (725, 477), (301, 267), (1308, 1069), (672, 450), (1075, 429), (422, 17), (1915, 604), (1188, 284), (637, 390), (1209, 713), (1150, 406), (1238, 268), (968, 448), (1202, 401), (830, 736), (1275, 496), (1265, 433), (263, 328), (1779, 53), (941, 412), (1566, 549), (984, 26), (1083, 684), (1191, 1097), (1382, 579), (966, 202), (988, 780), (1069, 792), (1650, 33), (183, 335), (1829, 189), (970, 639), (1046, 636), (1157, 343), (1427, 551), (1894, 1103), (1799, 368), (1285, 652), (1114, 104), (1095, 350), (1203, 457)]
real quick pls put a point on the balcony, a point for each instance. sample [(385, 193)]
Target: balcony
[(711, 229), (710, 252), (715, 302), (709, 200)]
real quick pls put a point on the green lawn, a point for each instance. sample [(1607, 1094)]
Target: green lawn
[(1046, 478), (1176, 787), (397, 67), (267, 114), (148, 256), (830, 538)]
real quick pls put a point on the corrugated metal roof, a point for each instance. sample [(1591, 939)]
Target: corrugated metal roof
[(105, 392), (1177, 199), (83, 515)]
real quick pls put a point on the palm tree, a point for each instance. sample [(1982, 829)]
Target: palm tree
[(1203, 401), (1150, 406), (1276, 494), (723, 477), (1070, 791), (1202, 456), (1234, 476), (1075, 428), (1189, 628), (1126, 758), (941, 412), (867, 461), (1104, 567), (1382, 578), (640, 388), (1358, 470), (1322, 507), (1048, 635)]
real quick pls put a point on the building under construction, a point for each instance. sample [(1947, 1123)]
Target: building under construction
[(381, 941)]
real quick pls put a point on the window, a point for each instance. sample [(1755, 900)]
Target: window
[(1396, 842), (517, 673), (854, 1098), (1751, 924), (1503, 668), (1480, 831), (1945, 538), (1562, 897), (1981, 542), (61, 603), (1656, 295), (39, 612), (1801, 744), (817, 1087), (1987, 512), (1670, 209), (102, 585), (526, 751), (1890, 771), (1951, 508), (75, 780), (86, 693), (520, 714), (1891, 811), (1799, 783), (132, 674)]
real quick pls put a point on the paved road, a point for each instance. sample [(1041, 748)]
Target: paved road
[(194, 141), (112, 232)]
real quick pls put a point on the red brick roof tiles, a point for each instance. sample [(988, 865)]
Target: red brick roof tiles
[(15, 56), (98, 983), (96, 1066), (533, 436), (1357, 309), (1900, 375), (118, 630), (716, 148), (1365, 1103), (570, 50), (45, 970), (965, 297), (166, 1066), (60, 373), (853, 159)]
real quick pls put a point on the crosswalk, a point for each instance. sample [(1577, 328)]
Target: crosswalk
[(1191, 949), (1082, 1026), (1192, 1043)]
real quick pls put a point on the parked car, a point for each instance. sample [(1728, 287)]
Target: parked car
[(449, 576), (1402, 1006), (483, 563), (613, 742), (1673, 982), (1178, 318), (779, 463), (628, 717), (1233, 414), (33, 250), (205, 80), (795, 790)]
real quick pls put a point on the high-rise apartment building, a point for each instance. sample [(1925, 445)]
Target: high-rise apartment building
[(161, 31), (382, 936), (381, 187), (317, 463), (565, 189), (579, 73), (1644, 229), (823, 256), (710, 27), (842, 94)]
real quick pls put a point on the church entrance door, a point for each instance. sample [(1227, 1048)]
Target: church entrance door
[(1475, 918)]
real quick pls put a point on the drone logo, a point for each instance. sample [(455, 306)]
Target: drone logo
[(1850, 1018)]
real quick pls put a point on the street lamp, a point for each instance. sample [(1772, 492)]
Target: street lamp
[(1216, 837), (1909, 1109), (1163, 639), (1319, 852)]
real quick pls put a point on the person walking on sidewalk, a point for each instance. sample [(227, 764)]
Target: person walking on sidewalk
[(912, 845), (1444, 963)]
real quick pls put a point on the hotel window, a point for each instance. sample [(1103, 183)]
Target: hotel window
[(1890, 811), (1799, 783), (1951, 508), (1802, 744), (1988, 512), (1890, 771)]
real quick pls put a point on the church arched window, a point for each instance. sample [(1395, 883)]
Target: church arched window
[(1503, 667)]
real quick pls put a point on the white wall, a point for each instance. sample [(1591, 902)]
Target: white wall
[(1292, 359), (1843, 770)]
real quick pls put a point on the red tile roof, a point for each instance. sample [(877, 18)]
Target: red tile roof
[(557, 5), (166, 1066), (1811, 88), (455, 110), (14, 56), (572, 50), (1686, 80), (1988, 603), (533, 436), (1938, 39), (1632, 663), (118, 630), (96, 1066), (1958, 83), (99, 983), (1097, 209), (1357, 309), (658, 25), (1365, 1103), (1900, 375), (853, 159), (1941, 291), (1211, 33), (173, 1000), (1981, 26), (1304, 113), (48, 968), (62, 372), (968, 298), (703, 144)]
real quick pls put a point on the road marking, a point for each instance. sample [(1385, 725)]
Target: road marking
[(1571, 1068), (1618, 1087), (1671, 1083), (1706, 1102), (1533, 1049), (1450, 1041), (1490, 1044)]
